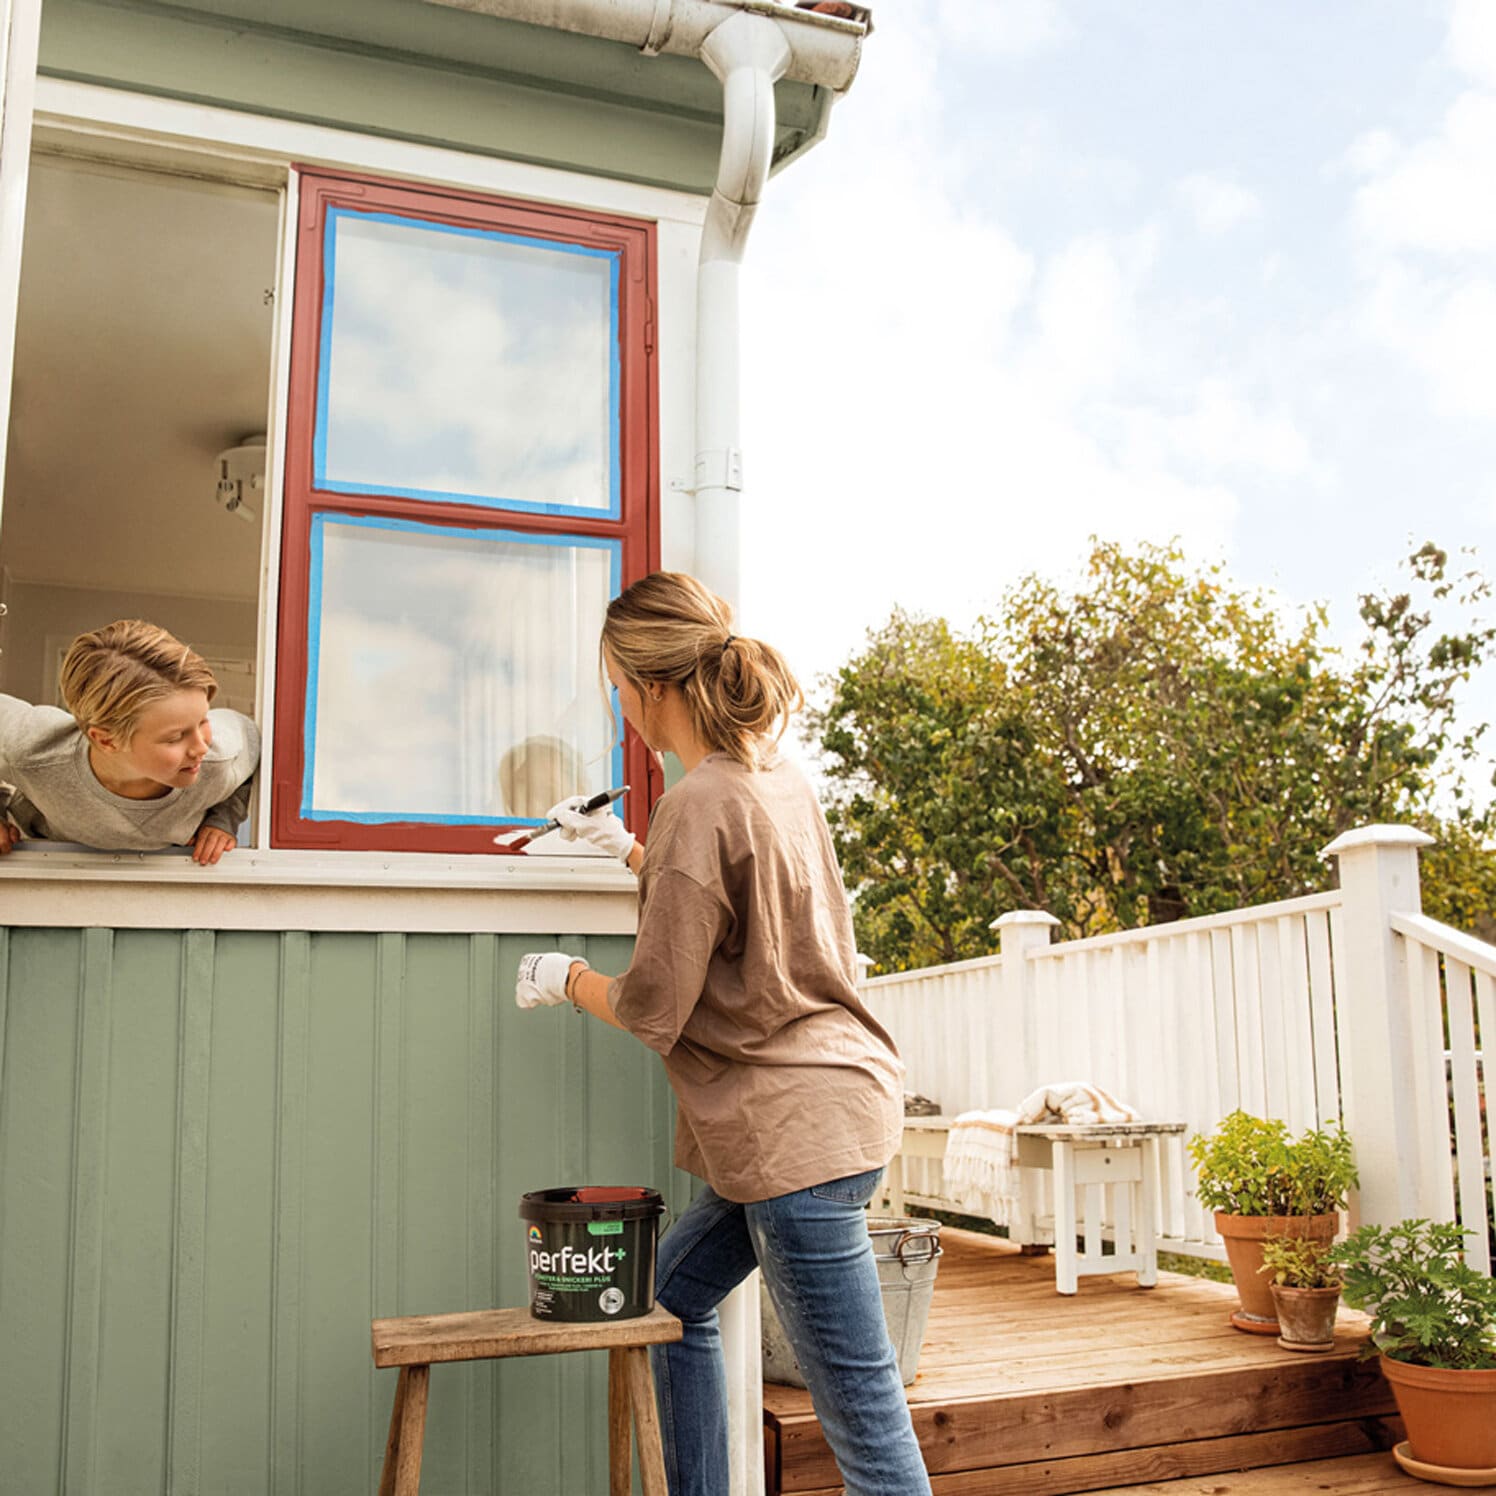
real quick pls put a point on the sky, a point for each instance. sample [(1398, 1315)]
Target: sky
[(1143, 269)]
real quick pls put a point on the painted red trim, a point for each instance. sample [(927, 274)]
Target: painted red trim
[(637, 528)]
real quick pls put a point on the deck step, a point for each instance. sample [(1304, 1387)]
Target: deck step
[(1177, 1468), (1023, 1391), (1051, 1447)]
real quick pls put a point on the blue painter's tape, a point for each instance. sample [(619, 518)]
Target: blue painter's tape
[(385, 817), (313, 662), (523, 537), (320, 521), (615, 388), (320, 480), (467, 231), (324, 348), (483, 501)]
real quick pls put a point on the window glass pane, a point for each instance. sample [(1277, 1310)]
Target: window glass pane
[(453, 674), (468, 364)]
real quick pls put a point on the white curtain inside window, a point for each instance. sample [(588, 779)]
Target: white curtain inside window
[(456, 673)]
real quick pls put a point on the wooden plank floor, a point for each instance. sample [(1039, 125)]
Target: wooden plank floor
[(1022, 1390), (1356, 1475)]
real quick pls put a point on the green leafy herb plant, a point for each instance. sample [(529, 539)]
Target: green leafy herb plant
[(1253, 1166), (1428, 1307), (1298, 1262)]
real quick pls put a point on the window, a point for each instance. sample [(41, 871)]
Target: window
[(470, 477), (145, 326)]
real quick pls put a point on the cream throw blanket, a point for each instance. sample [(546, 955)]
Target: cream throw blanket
[(981, 1150)]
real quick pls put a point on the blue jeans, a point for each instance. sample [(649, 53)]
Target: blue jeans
[(817, 1259)]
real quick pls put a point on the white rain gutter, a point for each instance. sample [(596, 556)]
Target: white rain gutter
[(748, 45), (824, 50)]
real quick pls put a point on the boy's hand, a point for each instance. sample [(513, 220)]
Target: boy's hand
[(210, 844), (9, 835)]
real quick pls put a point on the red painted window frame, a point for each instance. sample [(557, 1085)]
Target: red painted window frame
[(637, 526)]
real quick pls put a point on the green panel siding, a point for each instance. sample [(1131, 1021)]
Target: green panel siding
[(418, 72), (36, 1207), (221, 1155)]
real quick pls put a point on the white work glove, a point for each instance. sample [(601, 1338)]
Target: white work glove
[(541, 982), (602, 829)]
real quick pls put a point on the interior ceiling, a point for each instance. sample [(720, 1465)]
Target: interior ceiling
[(142, 351)]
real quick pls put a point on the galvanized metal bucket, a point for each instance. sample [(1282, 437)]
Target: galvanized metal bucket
[(908, 1253)]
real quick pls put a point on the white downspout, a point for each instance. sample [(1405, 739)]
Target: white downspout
[(747, 54)]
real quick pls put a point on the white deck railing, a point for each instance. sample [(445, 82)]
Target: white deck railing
[(1263, 1008), (1452, 991)]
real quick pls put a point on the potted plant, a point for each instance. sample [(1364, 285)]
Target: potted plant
[(1433, 1321), (1305, 1283), (1262, 1182)]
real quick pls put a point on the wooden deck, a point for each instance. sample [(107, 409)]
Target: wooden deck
[(1354, 1475), (1023, 1391)]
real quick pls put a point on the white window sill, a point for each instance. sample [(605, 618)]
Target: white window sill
[(304, 890), (340, 869)]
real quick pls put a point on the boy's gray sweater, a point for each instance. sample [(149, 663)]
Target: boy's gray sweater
[(48, 789)]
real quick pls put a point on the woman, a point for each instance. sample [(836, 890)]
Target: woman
[(789, 1094)]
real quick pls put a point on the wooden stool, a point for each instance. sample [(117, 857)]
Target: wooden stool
[(415, 1341), (1121, 1156)]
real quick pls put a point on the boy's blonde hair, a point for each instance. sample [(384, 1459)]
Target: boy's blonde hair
[(110, 676), (668, 627)]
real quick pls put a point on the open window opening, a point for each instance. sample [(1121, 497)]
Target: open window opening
[(134, 483)]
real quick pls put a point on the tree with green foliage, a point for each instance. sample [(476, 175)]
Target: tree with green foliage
[(1152, 744)]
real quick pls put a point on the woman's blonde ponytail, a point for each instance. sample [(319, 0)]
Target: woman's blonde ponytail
[(668, 628)]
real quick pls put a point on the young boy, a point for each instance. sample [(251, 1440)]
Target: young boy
[(141, 763)]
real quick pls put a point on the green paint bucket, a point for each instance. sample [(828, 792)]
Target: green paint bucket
[(590, 1251)]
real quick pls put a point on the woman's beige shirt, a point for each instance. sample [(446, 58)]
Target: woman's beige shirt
[(743, 979)]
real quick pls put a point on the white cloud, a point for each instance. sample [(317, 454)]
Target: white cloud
[(1370, 153), (1435, 195), (1446, 325), (1012, 29), (1217, 203), (1480, 507), (1472, 38), (1083, 317), (1424, 218), (1222, 432)]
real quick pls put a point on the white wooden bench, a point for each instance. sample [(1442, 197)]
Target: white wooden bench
[(1119, 1157)]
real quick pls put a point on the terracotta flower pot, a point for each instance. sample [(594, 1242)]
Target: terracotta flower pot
[(1306, 1317), (1243, 1236), (1450, 1415)]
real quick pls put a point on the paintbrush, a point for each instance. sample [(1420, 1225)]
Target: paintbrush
[(515, 840)]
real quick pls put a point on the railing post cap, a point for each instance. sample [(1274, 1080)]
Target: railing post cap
[(1023, 917), (1377, 836)]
